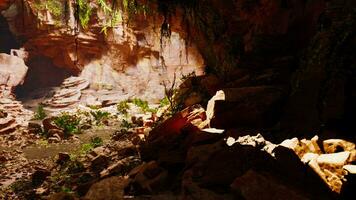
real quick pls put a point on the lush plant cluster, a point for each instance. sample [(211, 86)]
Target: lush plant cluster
[(123, 107), (70, 124), (100, 116)]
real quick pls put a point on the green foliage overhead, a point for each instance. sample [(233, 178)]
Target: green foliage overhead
[(55, 7), (84, 12), (104, 6)]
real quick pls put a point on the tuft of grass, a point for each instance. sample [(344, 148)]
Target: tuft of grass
[(164, 102), (100, 116), (87, 147), (40, 113)]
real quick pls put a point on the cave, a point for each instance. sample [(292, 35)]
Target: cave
[(42, 74), (178, 99), (7, 39)]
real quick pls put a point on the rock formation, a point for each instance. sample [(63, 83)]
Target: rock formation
[(68, 94), (122, 55), (12, 74)]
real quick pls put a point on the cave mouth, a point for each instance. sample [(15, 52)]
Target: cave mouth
[(42, 75), (7, 39)]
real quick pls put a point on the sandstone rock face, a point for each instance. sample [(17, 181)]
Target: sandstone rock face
[(109, 188), (68, 94), (12, 70), (132, 57)]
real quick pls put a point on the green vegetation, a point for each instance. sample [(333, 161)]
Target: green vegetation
[(55, 7), (94, 142), (69, 123), (40, 113), (143, 105), (94, 107), (132, 7), (100, 116), (123, 107), (84, 12), (104, 6), (164, 102), (126, 124)]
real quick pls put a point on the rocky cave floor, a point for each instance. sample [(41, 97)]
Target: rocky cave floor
[(76, 145)]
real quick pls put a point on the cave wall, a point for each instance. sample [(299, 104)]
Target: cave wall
[(285, 65), (7, 40), (130, 50)]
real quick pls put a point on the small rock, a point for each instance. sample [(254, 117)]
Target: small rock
[(335, 145), (255, 186), (290, 143), (350, 168), (147, 178), (2, 158), (39, 176), (48, 124), (336, 159), (99, 163), (54, 132), (109, 188), (62, 158), (62, 196), (54, 139)]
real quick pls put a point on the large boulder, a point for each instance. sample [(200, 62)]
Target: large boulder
[(247, 107), (12, 70)]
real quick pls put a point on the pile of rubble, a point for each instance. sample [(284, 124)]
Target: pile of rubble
[(332, 162), (68, 95), (13, 114)]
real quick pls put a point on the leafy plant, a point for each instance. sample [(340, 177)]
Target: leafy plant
[(69, 123), (164, 102), (40, 113), (126, 124), (87, 147), (55, 7), (84, 12), (104, 6), (123, 107), (96, 142), (141, 104), (99, 116)]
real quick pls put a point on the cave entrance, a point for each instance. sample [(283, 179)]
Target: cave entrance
[(7, 39), (42, 76)]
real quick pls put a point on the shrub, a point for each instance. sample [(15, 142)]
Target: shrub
[(40, 113), (99, 116), (69, 123), (143, 105), (123, 107)]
